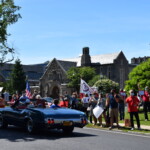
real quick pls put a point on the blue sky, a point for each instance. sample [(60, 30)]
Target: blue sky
[(61, 28)]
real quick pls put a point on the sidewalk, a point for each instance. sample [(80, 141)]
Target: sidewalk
[(142, 126)]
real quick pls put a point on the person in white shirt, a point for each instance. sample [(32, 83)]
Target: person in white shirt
[(85, 103), (6, 96)]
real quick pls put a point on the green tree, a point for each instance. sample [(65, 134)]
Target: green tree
[(8, 16), (95, 79), (17, 80), (105, 85), (74, 75), (139, 76)]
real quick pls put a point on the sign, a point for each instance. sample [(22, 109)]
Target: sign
[(141, 93), (97, 111)]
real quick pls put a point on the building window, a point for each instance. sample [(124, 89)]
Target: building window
[(101, 70), (121, 78), (121, 62), (109, 72)]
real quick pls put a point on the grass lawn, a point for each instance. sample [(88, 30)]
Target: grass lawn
[(141, 116)]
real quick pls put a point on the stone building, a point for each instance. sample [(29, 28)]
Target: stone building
[(51, 77), (34, 72), (54, 81)]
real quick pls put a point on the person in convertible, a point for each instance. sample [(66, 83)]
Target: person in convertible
[(23, 96), (55, 105)]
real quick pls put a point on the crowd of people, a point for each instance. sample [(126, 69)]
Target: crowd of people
[(113, 104)]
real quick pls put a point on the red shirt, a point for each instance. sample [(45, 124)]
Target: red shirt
[(63, 103), (133, 102), (145, 97)]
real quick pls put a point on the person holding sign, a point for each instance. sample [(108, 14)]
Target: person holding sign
[(102, 103), (92, 105)]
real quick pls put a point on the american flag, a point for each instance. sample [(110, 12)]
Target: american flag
[(28, 93)]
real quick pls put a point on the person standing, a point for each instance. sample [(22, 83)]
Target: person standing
[(121, 104), (102, 103), (6, 97), (85, 103), (63, 102), (112, 102), (146, 101), (73, 101), (92, 105), (133, 103)]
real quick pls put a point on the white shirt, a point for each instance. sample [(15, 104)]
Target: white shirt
[(85, 100)]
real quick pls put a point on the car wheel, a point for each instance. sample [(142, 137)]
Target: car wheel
[(68, 130), (29, 126), (3, 123)]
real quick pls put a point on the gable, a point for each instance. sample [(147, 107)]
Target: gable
[(121, 57), (54, 71)]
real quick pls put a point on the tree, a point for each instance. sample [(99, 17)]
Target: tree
[(95, 79), (105, 85), (8, 16), (139, 76), (17, 80), (74, 75)]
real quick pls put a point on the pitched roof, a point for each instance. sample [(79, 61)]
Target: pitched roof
[(67, 64), (34, 72), (102, 59)]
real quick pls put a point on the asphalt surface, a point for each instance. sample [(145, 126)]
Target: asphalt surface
[(15, 138)]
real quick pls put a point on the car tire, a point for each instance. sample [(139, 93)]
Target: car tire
[(30, 126), (3, 123), (68, 130)]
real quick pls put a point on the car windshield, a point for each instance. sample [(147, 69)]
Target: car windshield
[(48, 99)]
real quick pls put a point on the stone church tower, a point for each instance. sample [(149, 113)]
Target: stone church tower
[(86, 58)]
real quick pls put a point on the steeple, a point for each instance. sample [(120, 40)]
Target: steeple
[(86, 58)]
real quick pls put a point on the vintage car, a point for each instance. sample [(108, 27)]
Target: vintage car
[(34, 118)]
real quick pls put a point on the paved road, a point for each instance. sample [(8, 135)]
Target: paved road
[(82, 139)]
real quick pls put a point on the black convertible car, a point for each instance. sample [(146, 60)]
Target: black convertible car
[(34, 118)]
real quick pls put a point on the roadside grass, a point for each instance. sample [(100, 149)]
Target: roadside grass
[(127, 129), (122, 128)]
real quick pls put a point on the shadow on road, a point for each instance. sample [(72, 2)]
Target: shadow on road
[(16, 134)]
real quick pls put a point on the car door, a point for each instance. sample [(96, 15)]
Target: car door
[(15, 115)]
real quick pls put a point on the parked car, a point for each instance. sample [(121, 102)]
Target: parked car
[(34, 118)]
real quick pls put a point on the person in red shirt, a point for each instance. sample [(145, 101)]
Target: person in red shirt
[(133, 103), (146, 99), (63, 102)]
